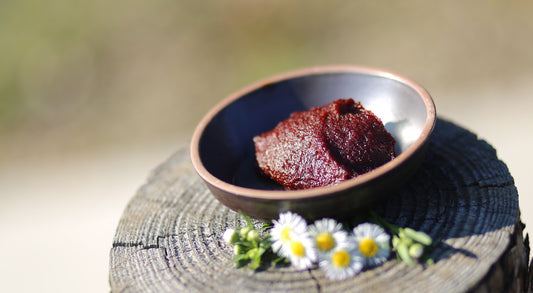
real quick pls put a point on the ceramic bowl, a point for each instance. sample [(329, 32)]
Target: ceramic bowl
[(222, 149)]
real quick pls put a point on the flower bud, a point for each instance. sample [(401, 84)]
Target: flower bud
[(230, 236), (416, 250), (238, 249), (244, 231), (418, 236), (252, 253), (252, 236)]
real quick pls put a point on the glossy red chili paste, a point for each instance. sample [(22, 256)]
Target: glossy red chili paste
[(324, 146)]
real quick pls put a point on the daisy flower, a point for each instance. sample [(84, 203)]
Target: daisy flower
[(284, 230), (342, 262), (371, 243), (300, 251), (327, 234)]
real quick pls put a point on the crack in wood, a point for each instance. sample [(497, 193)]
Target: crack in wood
[(317, 282), (142, 244)]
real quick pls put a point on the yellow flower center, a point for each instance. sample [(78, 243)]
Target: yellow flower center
[(297, 248), (341, 258), (286, 234), (368, 247), (325, 242)]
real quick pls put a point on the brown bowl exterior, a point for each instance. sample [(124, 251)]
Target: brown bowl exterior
[(341, 204), (222, 147)]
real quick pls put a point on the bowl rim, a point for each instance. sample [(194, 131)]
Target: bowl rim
[(346, 185)]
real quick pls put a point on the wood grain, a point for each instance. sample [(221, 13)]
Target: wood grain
[(169, 237)]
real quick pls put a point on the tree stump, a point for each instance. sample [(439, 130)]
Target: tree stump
[(169, 238)]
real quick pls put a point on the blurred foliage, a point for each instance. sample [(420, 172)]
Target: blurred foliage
[(85, 72)]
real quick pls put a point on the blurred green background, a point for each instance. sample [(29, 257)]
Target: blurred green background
[(94, 94), (75, 74)]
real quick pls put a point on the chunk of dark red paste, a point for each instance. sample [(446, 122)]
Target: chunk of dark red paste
[(324, 146), (356, 137)]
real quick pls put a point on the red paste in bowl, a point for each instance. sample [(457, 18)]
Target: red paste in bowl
[(324, 146)]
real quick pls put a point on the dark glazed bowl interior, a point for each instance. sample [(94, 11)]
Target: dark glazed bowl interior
[(222, 148)]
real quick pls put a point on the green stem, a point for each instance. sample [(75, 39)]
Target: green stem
[(393, 229)]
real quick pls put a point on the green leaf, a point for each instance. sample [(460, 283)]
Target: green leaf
[(393, 229), (240, 260), (266, 226), (248, 220)]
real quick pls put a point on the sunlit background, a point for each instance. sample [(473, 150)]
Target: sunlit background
[(95, 94)]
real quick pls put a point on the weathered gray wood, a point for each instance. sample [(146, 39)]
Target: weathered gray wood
[(169, 237)]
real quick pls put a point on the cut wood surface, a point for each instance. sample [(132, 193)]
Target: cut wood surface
[(169, 238)]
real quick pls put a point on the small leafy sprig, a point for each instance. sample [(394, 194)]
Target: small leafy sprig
[(249, 246)]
